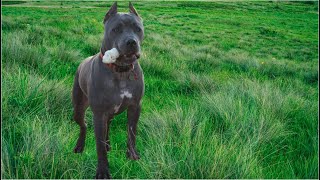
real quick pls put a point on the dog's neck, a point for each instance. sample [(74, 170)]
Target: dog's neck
[(113, 66), (122, 71)]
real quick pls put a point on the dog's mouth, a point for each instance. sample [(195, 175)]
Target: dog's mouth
[(132, 56), (128, 59)]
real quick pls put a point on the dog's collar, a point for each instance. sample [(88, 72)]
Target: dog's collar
[(118, 68)]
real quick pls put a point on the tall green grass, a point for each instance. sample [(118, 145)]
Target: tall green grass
[(231, 91)]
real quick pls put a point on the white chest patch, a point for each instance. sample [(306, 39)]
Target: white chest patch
[(125, 93)]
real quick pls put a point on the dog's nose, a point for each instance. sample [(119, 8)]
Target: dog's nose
[(131, 42)]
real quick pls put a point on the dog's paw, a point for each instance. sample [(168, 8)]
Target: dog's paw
[(103, 173), (79, 148), (133, 155)]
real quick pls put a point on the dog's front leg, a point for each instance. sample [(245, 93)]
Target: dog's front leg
[(108, 144), (100, 124), (133, 115)]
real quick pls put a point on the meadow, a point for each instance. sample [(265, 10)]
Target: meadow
[(231, 90)]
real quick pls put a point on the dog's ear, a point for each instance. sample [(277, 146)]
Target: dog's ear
[(112, 11), (132, 9)]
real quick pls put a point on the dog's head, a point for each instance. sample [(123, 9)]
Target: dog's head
[(125, 32)]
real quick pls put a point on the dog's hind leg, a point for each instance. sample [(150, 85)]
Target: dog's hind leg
[(80, 104)]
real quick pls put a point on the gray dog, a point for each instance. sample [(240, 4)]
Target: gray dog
[(109, 89)]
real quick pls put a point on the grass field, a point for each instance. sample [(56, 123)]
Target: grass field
[(231, 90)]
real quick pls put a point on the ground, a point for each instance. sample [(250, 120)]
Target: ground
[(231, 90)]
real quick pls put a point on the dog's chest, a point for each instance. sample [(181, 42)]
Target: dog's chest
[(114, 93), (124, 95)]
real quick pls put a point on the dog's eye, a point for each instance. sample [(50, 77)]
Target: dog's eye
[(138, 29), (117, 29)]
